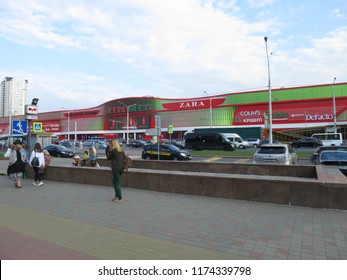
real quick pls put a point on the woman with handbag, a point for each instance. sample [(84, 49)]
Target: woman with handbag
[(37, 161), (16, 165)]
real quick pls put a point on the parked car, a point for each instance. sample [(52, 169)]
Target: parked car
[(59, 151), (165, 152), (275, 154), (266, 141), (137, 143), (316, 153), (253, 142), (66, 143), (101, 144), (310, 142), (338, 158)]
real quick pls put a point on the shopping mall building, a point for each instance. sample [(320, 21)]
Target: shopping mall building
[(296, 112)]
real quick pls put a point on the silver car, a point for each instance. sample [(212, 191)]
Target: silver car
[(275, 154)]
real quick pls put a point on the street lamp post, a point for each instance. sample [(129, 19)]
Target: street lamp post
[(128, 107), (68, 126), (334, 105), (211, 117), (270, 94)]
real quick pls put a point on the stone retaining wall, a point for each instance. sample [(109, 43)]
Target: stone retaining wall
[(313, 187)]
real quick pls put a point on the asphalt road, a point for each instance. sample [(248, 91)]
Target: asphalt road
[(135, 153)]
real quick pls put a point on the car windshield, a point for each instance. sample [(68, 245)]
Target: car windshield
[(173, 148), (272, 150), (333, 156)]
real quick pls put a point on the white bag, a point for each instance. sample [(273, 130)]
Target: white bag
[(8, 153)]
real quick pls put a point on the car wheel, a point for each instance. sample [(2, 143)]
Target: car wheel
[(315, 146), (295, 146), (58, 155), (175, 158), (255, 146)]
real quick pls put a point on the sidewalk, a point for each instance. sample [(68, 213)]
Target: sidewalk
[(74, 221)]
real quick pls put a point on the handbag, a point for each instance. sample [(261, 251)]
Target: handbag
[(8, 153), (42, 169)]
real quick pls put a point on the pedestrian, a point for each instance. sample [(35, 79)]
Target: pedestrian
[(85, 160), (108, 144), (116, 156), (24, 152), (37, 161), (76, 160), (92, 156), (47, 157), (16, 165)]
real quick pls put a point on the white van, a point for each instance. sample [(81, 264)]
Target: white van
[(329, 139), (237, 140)]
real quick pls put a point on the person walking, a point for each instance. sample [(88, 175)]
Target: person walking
[(92, 156), (48, 159), (116, 156), (24, 152), (16, 165), (37, 161)]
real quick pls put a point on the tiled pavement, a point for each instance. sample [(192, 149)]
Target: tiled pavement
[(74, 221)]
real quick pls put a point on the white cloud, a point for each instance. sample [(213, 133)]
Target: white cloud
[(174, 48)]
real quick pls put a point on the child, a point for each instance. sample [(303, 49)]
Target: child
[(76, 161)]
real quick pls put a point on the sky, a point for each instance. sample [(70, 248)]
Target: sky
[(82, 53)]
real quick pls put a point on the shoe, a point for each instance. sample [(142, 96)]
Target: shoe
[(40, 184), (116, 199), (34, 183)]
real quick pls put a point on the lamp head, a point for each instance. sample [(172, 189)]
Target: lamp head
[(34, 101)]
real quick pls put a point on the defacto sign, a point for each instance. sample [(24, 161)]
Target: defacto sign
[(318, 117)]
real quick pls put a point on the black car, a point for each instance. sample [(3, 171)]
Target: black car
[(316, 153), (165, 152), (310, 142), (266, 141), (337, 158), (137, 143), (172, 142), (59, 151)]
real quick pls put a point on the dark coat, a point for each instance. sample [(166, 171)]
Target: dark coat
[(117, 160), (18, 166)]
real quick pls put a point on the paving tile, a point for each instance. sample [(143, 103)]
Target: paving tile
[(74, 221)]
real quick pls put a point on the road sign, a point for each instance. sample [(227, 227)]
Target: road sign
[(152, 132), (170, 129), (31, 117), (37, 126), (19, 127), (30, 110)]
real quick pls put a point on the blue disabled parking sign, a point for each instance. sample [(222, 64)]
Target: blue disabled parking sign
[(19, 127)]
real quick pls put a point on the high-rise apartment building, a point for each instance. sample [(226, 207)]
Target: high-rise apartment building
[(13, 96)]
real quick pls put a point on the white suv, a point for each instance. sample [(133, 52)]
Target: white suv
[(275, 154)]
